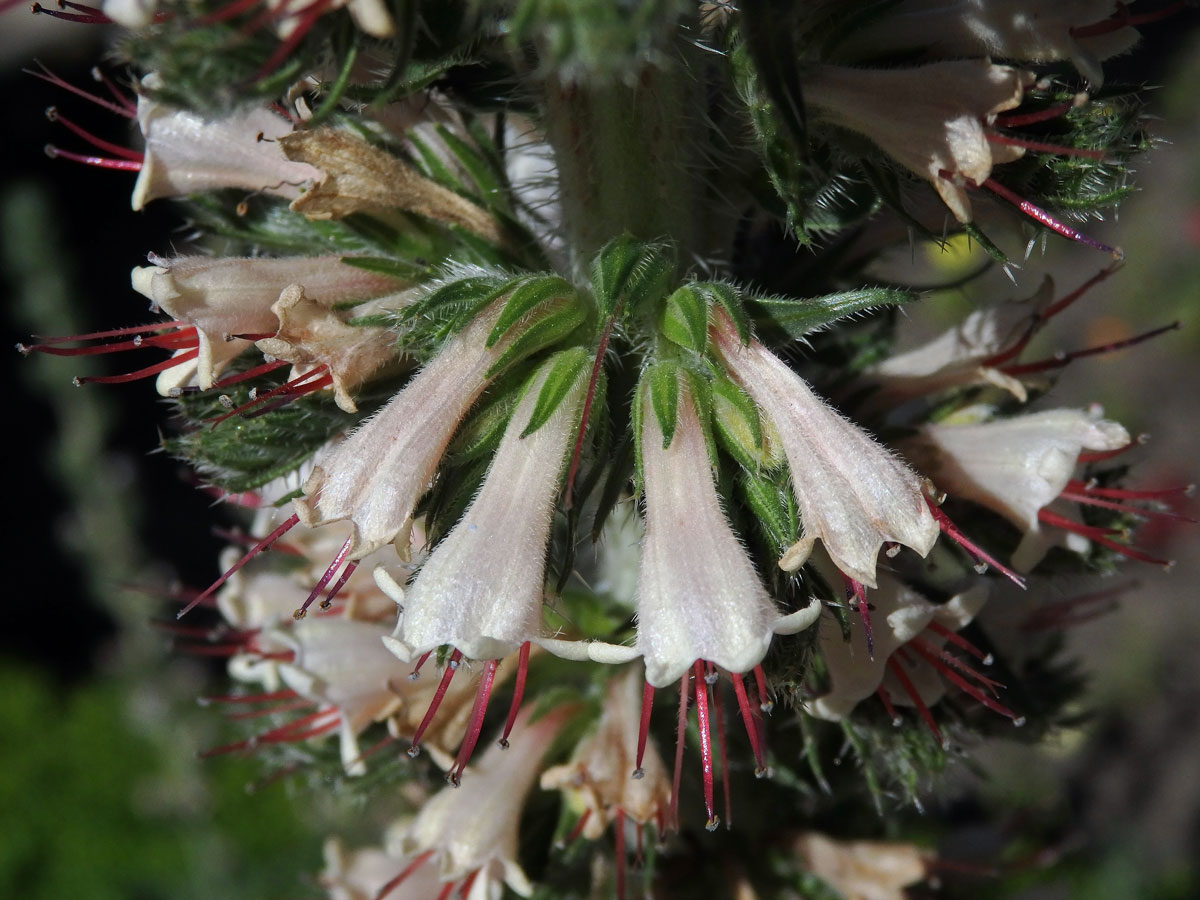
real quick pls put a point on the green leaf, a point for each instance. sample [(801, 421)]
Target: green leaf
[(663, 378), (797, 317), (685, 319), (529, 295), (565, 370)]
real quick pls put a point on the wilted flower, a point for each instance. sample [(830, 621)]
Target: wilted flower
[(931, 119), (863, 870), (853, 494)]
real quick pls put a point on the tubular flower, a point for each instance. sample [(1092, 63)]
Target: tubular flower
[(375, 476), (472, 831), (1016, 466), (1085, 32), (186, 153), (699, 597), (363, 874), (228, 296), (853, 494), (930, 119), (604, 775)]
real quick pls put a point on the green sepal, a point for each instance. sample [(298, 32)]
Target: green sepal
[(774, 507), (978, 235), (798, 317), (662, 379), (548, 328), (480, 434), (565, 369), (530, 294), (729, 298), (396, 268), (488, 185), (700, 392), (685, 319), (630, 272), (461, 299), (738, 426)]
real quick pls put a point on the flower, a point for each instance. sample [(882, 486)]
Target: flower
[(186, 153), (863, 870), (604, 776), (930, 119), (362, 874), (371, 16), (472, 831), (227, 296), (375, 476), (1085, 32), (852, 493), (1016, 466), (483, 587), (699, 597)]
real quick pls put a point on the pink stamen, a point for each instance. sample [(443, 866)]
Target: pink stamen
[(886, 699), (468, 883), (250, 373), (270, 710), (619, 851), (1183, 490), (52, 114), (306, 19), (245, 540), (1092, 500), (121, 108), (327, 603), (1044, 218), (1064, 613), (445, 892), (443, 686), (258, 548), (750, 723), (719, 719), (100, 162), (95, 17), (186, 356), (229, 11), (1059, 360), (958, 640), (1095, 456), (644, 728), (117, 94), (922, 710), (247, 698), (320, 586), (1040, 147), (1123, 19), (978, 553), (482, 694), (292, 732), (680, 731), (1103, 537), (518, 693), (297, 387), (1018, 119), (419, 860), (946, 671), (760, 679), (576, 831), (858, 593), (706, 763), (416, 672), (174, 340)]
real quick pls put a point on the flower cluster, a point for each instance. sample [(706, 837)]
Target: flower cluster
[(483, 364)]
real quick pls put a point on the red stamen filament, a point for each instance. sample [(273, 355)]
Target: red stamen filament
[(248, 698), (958, 640), (593, 380), (719, 719), (1016, 120), (748, 720), (258, 548), (177, 340), (1092, 500), (1101, 536), (416, 672), (1183, 490), (680, 730), (229, 11), (482, 694), (270, 710), (577, 830), (186, 356), (983, 557), (122, 108), (467, 884), (445, 892), (1039, 147), (292, 732), (306, 19), (99, 143), (250, 373), (117, 94), (643, 729), (1061, 359), (760, 679), (706, 763), (245, 540), (1044, 218), (940, 663), (416, 863), (297, 387), (1064, 613), (443, 686), (922, 710), (1096, 456), (95, 17), (518, 693), (339, 584), (859, 595), (886, 699), (320, 586), (100, 162)]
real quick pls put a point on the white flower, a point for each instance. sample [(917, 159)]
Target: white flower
[(930, 119), (475, 828), (601, 771), (362, 874), (699, 597), (186, 153), (371, 16), (856, 672), (863, 870), (852, 493), (225, 296), (375, 476), (1014, 466), (482, 589), (1011, 29), (130, 13)]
